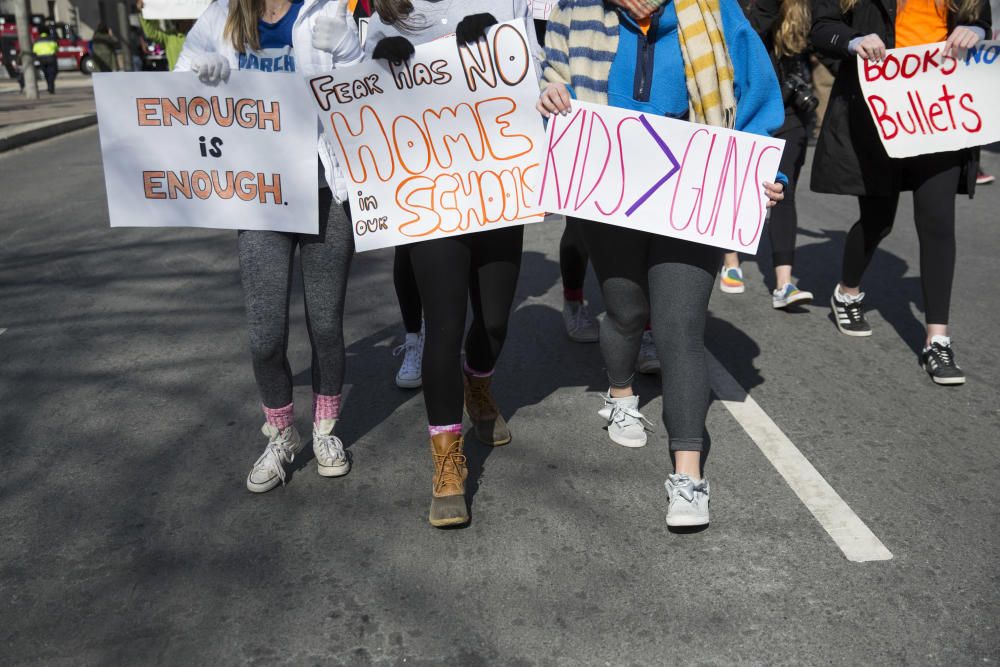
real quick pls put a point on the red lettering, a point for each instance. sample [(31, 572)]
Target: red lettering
[(979, 120), (886, 125)]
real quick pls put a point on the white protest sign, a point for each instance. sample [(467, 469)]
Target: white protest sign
[(542, 8), (173, 9), (661, 175), (923, 101), (441, 145), (179, 153)]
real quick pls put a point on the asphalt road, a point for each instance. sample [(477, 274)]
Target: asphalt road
[(130, 419)]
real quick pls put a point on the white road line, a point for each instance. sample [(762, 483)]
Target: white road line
[(2, 331), (854, 538)]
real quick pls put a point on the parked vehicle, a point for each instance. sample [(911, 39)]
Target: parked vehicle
[(73, 54)]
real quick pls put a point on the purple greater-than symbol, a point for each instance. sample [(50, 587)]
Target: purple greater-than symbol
[(673, 170)]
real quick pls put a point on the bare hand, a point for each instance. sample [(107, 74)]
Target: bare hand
[(637, 9), (554, 99), (960, 39), (775, 192), (871, 47)]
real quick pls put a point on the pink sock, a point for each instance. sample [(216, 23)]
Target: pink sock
[(280, 418), (325, 407), (450, 428), (469, 370), (573, 295)]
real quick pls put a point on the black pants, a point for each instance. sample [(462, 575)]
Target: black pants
[(645, 277), (50, 68), (482, 268), (934, 181), (783, 224), (572, 257), (410, 306)]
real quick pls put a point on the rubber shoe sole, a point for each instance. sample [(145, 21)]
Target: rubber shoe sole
[(254, 487), (686, 521), (800, 299), (836, 320), (731, 290), (947, 382), (448, 511), (577, 338), (631, 443), (333, 471), (409, 384)]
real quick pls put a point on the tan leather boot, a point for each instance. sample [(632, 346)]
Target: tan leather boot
[(448, 493), (488, 423)]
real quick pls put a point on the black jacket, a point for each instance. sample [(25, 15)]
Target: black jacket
[(849, 156)]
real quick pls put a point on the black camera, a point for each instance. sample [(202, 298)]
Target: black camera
[(798, 93)]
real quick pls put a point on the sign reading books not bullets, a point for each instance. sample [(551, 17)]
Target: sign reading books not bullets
[(660, 175), (924, 101), (446, 143), (179, 153)]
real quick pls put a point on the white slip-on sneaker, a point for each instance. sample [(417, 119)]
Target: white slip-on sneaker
[(789, 295), (580, 326), (269, 470), (687, 501), (648, 362), (626, 425), (409, 375), (331, 459)]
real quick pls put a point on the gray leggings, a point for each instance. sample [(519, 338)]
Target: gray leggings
[(645, 277), (266, 273)]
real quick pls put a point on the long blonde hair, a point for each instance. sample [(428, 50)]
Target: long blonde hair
[(792, 36), (965, 11), (241, 24)]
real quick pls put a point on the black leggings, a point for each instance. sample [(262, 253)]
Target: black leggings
[(934, 180), (410, 306), (572, 257), (644, 276), (482, 268), (784, 222)]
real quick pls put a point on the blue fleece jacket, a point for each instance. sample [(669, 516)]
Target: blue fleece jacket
[(647, 73)]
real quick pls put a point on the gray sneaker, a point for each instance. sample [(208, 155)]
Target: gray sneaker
[(269, 470), (688, 501), (648, 362), (626, 425), (580, 326)]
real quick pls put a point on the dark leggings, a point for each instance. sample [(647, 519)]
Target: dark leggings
[(934, 180), (572, 257), (644, 276), (266, 274), (450, 272), (783, 224), (410, 306)]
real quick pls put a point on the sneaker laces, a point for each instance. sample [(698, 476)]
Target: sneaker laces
[(582, 318), (448, 467), (943, 353), (688, 487), (329, 445), (275, 456), (412, 356), (621, 414)]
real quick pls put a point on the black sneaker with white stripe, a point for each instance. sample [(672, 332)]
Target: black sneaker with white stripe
[(939, 362), (849, 316)]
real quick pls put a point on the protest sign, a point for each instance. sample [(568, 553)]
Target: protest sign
[(923, 101), (441, 145), (542, 8), (661, 175), (179, 153), (173, 9)]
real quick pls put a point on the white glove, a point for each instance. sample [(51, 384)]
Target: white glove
[(332, 28), (210, 67)]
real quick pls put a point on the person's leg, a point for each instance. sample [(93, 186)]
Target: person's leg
[(680, 285), (326, 264), (496, 264), (265, 272), (619, 259), (580, 326), (411, 308), (442, 268), (783, 222)]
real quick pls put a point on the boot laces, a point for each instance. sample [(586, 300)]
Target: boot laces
[(448, 467), (481, 400)]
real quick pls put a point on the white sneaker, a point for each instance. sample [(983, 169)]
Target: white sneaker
[(788, 295), (412, 349), (331, 460), (580, 326), (626, 425), (648, 363), (688, 501), (269, 470)]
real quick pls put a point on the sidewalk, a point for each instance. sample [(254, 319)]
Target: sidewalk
[(24, 121)]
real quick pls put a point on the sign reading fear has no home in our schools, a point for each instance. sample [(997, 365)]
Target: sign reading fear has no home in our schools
[(660, 175), (924, 101), (179, 153), (443, 144)]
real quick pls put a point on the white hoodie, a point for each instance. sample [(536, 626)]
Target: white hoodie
[(206, 37)]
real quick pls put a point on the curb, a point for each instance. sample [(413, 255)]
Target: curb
[(45, 130)]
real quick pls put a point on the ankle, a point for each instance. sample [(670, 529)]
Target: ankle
[(620, 392)]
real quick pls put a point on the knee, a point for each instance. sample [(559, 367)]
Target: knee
[(628, 318), (267, 348)]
